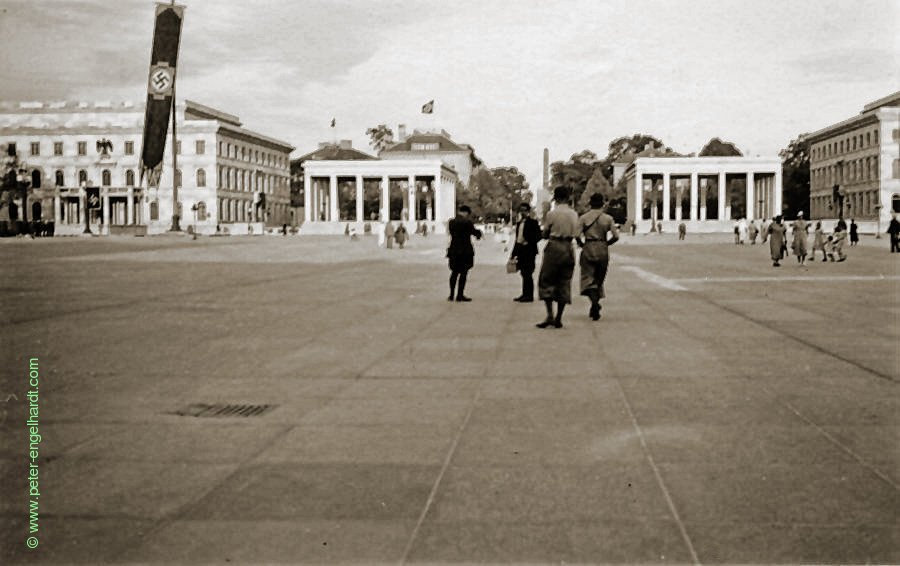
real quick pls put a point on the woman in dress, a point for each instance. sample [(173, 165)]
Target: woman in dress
[(818, 242), (799, 229), (776, 241)]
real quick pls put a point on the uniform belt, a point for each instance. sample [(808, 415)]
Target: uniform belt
[(594, 240), (561, 238)]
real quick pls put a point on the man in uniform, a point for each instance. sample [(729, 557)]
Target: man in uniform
[(461, 254), (555, 279), (525, 249), (594, 226)]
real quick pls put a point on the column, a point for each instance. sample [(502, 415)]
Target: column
[(438, 189), (721, 203), (638, 195), (776, 193), (307, 197), (57, 203), (412, 198), (333, 214), (667, 190), (694, 196), (106, 209), (385, 198), (359, 198), (751, 196), (429, 200), (129, 207)]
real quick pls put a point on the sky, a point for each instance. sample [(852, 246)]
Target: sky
[(508, 77)]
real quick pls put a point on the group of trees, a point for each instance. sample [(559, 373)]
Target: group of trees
[(495, 194)]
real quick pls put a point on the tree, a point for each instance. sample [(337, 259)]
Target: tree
[(621, 149), (717, 147), (380, 137), (574, 173), (795, 177), (513, 186)]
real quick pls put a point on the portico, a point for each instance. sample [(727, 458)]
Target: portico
[(706, 193), (354, 193)]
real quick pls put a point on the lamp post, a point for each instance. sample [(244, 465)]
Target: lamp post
[(194, 208), (878, 221), (22, 181)]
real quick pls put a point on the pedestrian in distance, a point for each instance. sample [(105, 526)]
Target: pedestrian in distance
[(894, 231), (599, 232), (818, 242), (525, 250), (839, 238), (460, 253), (401, 235), (737, 234), (682, 231), (776, 241), (558, 265), (799, 230), (829, 248), (854, 233), (753, 232), (743, 231), (389, 234)]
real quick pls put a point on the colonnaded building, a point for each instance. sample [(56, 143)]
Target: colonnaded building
[(413, 181), (861, 157), (230, 179), (708, 194)]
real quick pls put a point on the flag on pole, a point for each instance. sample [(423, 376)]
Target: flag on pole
[(332, 122), (160, 89), (428, 107)]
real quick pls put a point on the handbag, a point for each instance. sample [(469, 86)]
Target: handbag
[(512, 265)]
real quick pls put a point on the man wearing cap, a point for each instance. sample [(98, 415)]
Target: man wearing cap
[(525, 249), (599, 232), (555, 279), (461, 254)]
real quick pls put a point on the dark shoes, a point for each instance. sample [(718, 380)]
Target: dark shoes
[(523, 300), (463, 299), (594, 312), (450, 298), (550, 324)]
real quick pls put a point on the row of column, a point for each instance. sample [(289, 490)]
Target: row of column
[(315, 202), (82, 208), (724, 209)]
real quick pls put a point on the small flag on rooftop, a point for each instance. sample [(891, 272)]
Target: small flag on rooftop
[(332, 122), (428, 108)]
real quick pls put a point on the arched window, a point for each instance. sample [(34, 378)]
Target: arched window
[(60, 178), (82, 177), (201, 178), (106, 178), (201, 211), (154, 210), (36, 179), (895, 173), (129, 178), (178, 178)]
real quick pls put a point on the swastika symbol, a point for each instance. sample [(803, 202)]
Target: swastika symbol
[(160, 80)]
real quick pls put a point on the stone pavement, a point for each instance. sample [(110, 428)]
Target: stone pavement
[(721, 411)]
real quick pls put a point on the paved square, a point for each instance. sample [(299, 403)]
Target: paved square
[(721, 410)]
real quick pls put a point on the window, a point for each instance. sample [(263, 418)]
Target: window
[(854, 142), (875, 136), (244, 153), (229, 151), (35, 148), (57, 148), (201, 211), (82, 148), (201, 178), (178, 178), (60, 178), (178, 147), (36, 179), (200, 147), (257, 156), (154, 210), (11, 149), (895, 134), (106, 178), (129, 178), (82, 177), (895, 173), (841, 147), (129, 148)]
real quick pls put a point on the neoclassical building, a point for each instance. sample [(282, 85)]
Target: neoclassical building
[(861, 155), (230, 178), (706, 193), (428, 144)]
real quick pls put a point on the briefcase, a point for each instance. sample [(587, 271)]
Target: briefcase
[(512, 265)]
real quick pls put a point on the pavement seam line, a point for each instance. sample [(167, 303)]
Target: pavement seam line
[(831, 438), (659, 480), (440, 477)]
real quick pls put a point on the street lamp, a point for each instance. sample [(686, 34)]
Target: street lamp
[(22, 181), (194, 208), (87, 220)]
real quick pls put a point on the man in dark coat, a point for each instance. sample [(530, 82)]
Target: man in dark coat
[(894, 231), (461, 254), (525, 249)]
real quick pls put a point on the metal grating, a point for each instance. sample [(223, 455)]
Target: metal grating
[(222, 410)]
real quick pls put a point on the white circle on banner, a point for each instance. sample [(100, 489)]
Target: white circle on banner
[(161, 80)]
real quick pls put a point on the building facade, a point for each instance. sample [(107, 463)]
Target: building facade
[(430, 144), (861, 157), (706, 193), (229, 178)]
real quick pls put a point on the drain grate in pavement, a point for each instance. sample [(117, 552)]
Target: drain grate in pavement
[(221, 410)]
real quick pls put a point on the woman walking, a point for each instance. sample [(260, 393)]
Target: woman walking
[(799, 230), (818, 242), (776, 241), (854, 233), (555, 279), (594, 226)]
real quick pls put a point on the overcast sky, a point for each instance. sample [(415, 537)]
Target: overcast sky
[(509, 78)]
